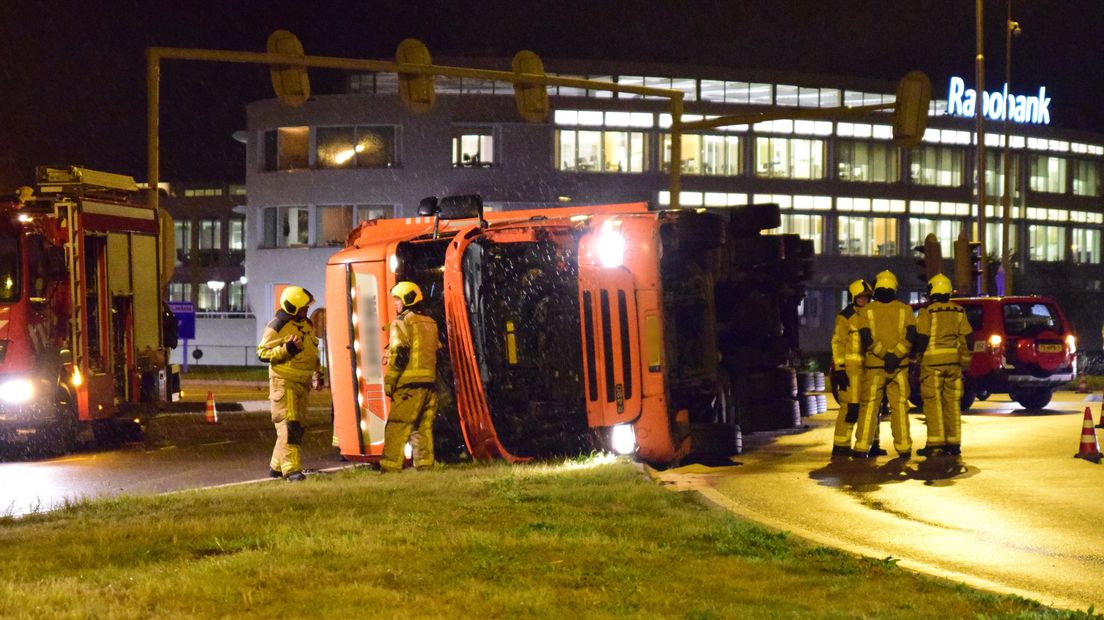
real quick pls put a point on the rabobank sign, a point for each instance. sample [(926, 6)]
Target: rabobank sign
[(997, 105)]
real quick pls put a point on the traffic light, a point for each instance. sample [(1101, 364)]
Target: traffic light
[(967, 265), (415, 89), (910, 114), (929, 258), (291, 83), (531, 99)]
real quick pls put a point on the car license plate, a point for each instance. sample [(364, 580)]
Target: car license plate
[(979, 347), (1050, 348)]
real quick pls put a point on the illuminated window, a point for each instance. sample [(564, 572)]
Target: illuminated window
[(1086, 177), (994, 173), (182, 237), (868, 162), (1048, 174), (1046, 243), (937, 165), (706, 154), (286, 148), (235, 294), (789, 158), (1086, 246), (236, 237), (210, 234), (180, 291), (472, 147), (946, 231), (993, 240), (355, 147), (600, 151), (335, 222), (809, 227), (286, 226), (208, 299), (867, 236)]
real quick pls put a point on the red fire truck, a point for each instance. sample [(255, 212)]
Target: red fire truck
[(84, 334), (655, 333)]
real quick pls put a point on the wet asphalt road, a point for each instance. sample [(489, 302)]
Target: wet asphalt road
[(1015, 514)]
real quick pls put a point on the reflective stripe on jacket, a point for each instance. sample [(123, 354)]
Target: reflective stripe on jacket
[(286, 360), (412, 350), (947, 329), (846, 349)]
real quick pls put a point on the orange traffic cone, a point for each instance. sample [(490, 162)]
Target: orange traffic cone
[(1082, 386), (210, 416), (1090, 449)]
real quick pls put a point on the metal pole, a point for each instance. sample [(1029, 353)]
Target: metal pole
[(1006, 200), (979, 111), (153, 125), (676, 151)]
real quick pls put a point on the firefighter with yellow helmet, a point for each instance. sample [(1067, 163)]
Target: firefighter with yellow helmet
[(410, 381), (944, 349), (290, 348), (887, 335), (847, 365)]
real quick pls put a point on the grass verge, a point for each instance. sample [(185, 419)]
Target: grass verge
[(576, 539), (226, 373)]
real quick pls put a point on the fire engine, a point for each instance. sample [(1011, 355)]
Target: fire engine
[(611, 327), (84, 334)]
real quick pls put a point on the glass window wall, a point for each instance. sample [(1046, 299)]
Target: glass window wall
[(867, 236), (809, 227), (869, 162), (600, 151), (994, 173), (937, 165), (1086, 178), (946, 231), (472, 147), (1046, 243), (1048, 174), (1085, 247), (789, 158), (706, 154), (355, 147)]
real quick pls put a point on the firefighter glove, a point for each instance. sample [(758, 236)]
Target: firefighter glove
[(891, 362), (840, 380), (388, 389)]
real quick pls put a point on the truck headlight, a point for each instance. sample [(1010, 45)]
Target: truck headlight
[(611, 247), (1071, 342), (623, 439), (16, 391)]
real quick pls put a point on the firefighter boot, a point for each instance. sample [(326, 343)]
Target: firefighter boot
[(275, 473), (841, 451), (876, 449), (296, 476), (953, 449), (928, 450)]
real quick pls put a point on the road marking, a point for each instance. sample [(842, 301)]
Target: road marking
[(216, 443)]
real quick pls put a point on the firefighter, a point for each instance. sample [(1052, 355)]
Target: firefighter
[(887, 335), (410, 381), (944, 349), (847, 365), (291, 350)]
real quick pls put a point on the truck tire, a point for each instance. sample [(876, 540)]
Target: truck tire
[(60, 437), (966, 401), (1033, 398), (724, 405)]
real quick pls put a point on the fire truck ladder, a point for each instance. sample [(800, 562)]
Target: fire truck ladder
[(76, 277)]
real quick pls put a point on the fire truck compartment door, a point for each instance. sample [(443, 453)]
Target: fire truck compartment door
[(611, 345)]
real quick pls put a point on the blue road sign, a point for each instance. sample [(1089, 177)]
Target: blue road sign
[(184, 311)]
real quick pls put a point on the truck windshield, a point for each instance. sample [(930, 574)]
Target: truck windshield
[(1029, 318), (523, 306), (10, 268)]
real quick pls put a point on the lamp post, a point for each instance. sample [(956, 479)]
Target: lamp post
[(979, 111), (1011, 29), (216, 287)]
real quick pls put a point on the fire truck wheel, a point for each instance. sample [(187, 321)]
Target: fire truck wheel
[(61, 436), (749, 220), (1033, 398), (724, 407), (967, 400)]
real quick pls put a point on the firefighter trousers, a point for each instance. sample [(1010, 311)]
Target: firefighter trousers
[(411, 418), (289, 405), (894, 387), (849, 403), (941, 388)]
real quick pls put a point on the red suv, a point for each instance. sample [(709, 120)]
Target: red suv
[(1023, 346)]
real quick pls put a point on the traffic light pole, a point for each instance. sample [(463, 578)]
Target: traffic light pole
[(979, 111)]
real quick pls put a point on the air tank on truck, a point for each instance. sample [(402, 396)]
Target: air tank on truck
[(84, 333)]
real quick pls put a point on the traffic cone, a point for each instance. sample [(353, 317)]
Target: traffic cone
[(1090, 449), (1082, 386), (210, 416)]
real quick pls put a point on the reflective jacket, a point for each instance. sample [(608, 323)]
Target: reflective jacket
[(291, 362), (846, 350), (411, 351), (944, 335), (888, 327)]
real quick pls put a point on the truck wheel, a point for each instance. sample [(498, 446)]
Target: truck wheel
[(967, 400), (1033, 398), (724, 407), (60, 437)]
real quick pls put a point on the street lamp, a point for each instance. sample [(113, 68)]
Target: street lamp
[(1012, 28), (216, 287)]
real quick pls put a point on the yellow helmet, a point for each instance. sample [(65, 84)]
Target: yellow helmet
[(407, 292), (294, 299), (885, 279), (858, 288), (939, 285)]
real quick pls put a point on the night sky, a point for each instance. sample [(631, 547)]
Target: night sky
[(72, 74)]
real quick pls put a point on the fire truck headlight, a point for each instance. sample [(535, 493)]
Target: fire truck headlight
[(611, 248), (16, 391), (623, 439), (1071, 342)]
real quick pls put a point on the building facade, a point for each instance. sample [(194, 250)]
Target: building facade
[(315, 172)]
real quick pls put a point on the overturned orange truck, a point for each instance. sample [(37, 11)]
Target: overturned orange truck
[(657, 333)]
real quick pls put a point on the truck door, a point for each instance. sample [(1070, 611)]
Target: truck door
[(611, 345)]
